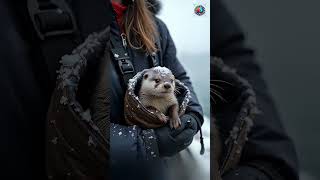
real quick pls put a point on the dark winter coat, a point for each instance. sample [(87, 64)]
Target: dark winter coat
[(263, 151)]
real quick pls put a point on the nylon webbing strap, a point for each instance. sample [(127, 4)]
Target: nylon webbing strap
[(155, 59), (56, 28), (122, 58), (59, 33)]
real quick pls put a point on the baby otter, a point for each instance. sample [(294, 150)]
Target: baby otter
[(157, 93)]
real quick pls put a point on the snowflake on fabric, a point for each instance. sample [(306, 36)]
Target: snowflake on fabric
[(162, 70)]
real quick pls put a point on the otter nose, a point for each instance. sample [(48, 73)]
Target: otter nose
[(167, 85)]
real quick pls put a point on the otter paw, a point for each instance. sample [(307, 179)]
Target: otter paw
[(164, 118), (175, 123)]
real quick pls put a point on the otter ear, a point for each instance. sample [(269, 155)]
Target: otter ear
[(145, 76)]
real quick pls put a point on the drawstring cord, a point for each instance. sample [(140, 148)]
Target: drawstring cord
[(201, 142), (201, 138)]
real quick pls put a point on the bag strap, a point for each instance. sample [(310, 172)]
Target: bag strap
[(58, 32), (121, 55), (122, 58), (156, 57), (51, 18), (56, 29)]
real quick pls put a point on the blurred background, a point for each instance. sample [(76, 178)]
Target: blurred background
[(191, 34), (286, 37)]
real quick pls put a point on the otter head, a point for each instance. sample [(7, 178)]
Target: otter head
[(158, 82)]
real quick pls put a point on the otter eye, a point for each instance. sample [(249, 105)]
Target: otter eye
[(157, 80)]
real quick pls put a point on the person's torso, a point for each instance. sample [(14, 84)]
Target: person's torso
[(140, 61)]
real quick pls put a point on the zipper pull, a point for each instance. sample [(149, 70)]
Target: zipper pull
[(124, 41)]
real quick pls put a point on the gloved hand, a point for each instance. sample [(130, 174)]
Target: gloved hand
[(171, 141)]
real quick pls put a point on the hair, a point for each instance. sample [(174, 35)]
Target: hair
[(140, 27)]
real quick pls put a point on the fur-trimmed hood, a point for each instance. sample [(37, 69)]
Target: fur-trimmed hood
[(155, 6), (232, 98)]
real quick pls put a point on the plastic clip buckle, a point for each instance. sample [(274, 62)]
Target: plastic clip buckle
[(125, 66)]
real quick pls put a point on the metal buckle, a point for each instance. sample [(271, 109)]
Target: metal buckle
[(56, 9)]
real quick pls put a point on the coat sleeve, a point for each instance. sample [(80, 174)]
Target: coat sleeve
[(131, 143), (170, 60), (269, 151)]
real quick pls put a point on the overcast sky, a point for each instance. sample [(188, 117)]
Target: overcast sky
[(190, 32)]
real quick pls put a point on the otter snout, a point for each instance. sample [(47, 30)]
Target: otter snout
[(167, 85)]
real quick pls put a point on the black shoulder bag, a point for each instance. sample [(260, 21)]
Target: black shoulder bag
[(77, 142)]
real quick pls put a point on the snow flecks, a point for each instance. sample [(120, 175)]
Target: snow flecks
[(233, 134), (70, 60), (91, 142), (249, 122), (53, 121), (95, 127), (132, 84), (77, 109), (63, 100), (162, 70), (238, 151), (86, 116), (54, 140), (255, 111), (120, 133)]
